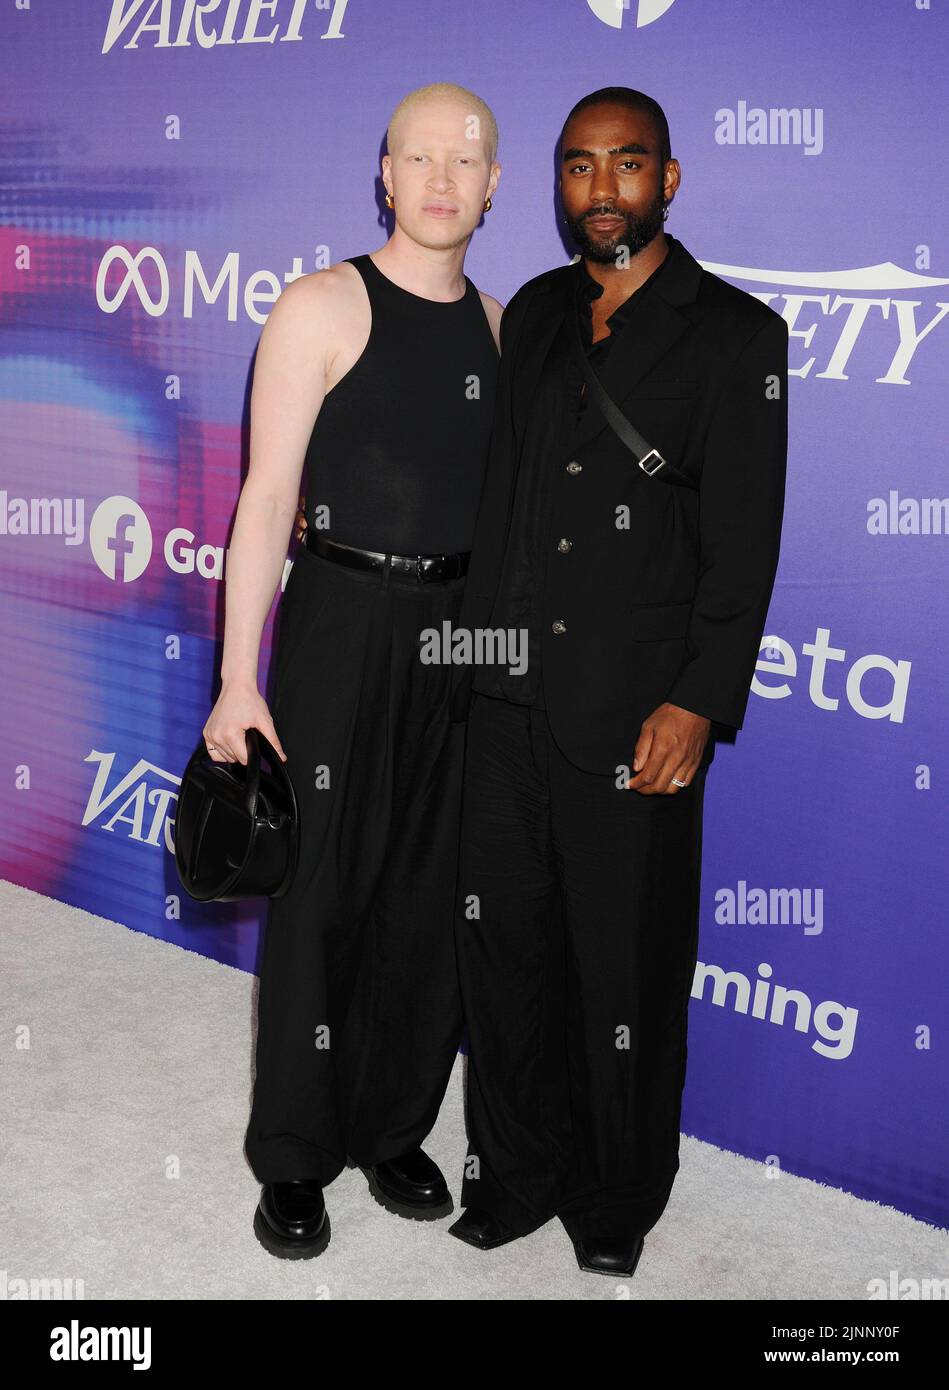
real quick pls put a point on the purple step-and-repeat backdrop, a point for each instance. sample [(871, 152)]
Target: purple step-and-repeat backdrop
[(170, 166)]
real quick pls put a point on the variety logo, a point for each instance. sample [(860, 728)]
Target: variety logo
[(139, 802), (843, 302), (186, 24)]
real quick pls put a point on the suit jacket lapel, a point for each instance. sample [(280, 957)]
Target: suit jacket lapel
[(533, 351), (650, 330)]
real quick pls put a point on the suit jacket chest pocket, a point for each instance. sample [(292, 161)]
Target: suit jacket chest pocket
[(663, 414), (663, 411)]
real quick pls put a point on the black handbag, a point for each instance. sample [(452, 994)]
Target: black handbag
[(649, 459), (237, 829)]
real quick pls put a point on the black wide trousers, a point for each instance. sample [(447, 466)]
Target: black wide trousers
[(359, 1014), (577, 937)]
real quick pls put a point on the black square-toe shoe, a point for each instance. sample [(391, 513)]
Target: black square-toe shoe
[(479, 1228), (615, 1256)]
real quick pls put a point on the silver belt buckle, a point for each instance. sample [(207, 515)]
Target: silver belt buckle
[(653, 453)]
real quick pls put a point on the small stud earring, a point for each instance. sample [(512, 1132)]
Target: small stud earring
[(487, 204), (390, 201)]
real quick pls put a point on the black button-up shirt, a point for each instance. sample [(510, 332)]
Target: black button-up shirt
[(557, 409)]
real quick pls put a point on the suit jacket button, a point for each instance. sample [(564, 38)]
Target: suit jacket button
[(559, 626), (563, 545), (574, 467)]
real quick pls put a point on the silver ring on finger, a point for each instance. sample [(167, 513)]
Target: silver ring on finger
[(677, 782)]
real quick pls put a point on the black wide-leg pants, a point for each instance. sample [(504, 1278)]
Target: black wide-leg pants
[(359, 1014), (577, 937)]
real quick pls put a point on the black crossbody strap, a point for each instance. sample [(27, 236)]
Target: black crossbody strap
[(649, 459)]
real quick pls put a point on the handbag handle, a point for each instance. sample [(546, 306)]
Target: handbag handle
[(253, 738), (649, 459)]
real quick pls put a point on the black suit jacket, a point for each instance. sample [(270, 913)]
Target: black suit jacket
[(673, 605)]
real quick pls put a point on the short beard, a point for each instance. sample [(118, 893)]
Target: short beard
[(636, 233)]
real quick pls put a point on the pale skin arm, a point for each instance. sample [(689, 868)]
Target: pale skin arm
[(289, 385)]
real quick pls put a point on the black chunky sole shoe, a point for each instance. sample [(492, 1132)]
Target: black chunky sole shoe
[(410, 1186), (291, 1220)]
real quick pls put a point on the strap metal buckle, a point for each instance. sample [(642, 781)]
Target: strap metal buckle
[(653, 453), (425, 564)]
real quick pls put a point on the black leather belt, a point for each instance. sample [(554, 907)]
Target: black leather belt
[(424, 569)]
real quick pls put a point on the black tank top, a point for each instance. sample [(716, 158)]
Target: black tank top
[(398, 449)]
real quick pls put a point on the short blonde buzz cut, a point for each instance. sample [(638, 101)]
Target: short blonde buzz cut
[(476, 107)]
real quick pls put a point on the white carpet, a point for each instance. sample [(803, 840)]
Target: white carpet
[(122, 1163)]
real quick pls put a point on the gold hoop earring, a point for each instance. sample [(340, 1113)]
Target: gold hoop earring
[(487, 204), (390, 201)]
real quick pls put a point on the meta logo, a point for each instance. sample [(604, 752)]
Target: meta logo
[(780, 659), (152, 286), (611, 12), (209, 24)]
